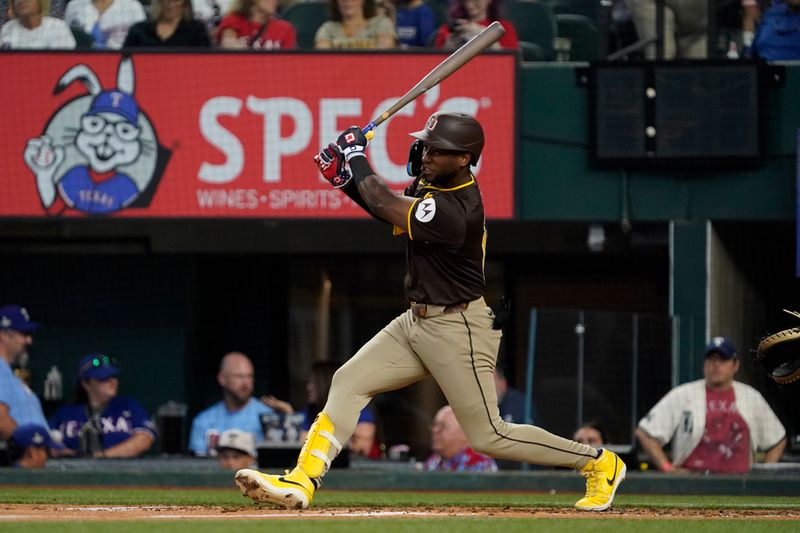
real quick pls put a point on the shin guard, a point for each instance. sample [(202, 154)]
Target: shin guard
[(320, 448)]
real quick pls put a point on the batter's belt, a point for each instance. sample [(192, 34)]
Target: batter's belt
[(429, 310)]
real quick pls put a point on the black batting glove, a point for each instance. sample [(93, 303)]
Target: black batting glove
[(352, 143)]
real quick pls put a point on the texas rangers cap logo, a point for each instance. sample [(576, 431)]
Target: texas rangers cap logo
[(426, 210), (432, 122)]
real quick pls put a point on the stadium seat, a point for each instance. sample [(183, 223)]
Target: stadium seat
[(531, 51), (583, 37), (306, 17), (534, 22), (587, 8)]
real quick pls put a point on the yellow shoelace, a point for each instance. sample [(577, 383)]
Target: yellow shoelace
[(592, 479)]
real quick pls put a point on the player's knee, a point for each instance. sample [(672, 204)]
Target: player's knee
[(340, 379), (488, 442)]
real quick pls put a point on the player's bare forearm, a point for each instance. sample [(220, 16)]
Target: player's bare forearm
[(775, 453), (351, 190), (384, 202), (378, 198), (133, 447)]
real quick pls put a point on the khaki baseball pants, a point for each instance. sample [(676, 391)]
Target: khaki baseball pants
[(459, 350)]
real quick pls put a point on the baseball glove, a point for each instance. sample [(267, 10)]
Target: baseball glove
[(779, 354)]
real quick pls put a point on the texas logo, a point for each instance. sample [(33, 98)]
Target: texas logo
[(99, 152)]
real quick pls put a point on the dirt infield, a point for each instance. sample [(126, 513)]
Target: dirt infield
[(38, 513)]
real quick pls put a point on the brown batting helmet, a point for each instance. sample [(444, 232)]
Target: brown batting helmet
[(453, 131)]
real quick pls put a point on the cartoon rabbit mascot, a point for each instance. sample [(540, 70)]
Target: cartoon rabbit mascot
[(103, 164)]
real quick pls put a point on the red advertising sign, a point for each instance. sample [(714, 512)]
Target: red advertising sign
[(226, 135)]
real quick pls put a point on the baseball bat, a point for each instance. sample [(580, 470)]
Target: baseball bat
[(486, 38)]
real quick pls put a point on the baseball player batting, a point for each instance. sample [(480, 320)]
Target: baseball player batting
[(448, 330)]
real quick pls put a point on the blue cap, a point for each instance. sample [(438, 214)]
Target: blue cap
[(96, 366), (17, 318), (34, 435), (116, 102), (723, 347)]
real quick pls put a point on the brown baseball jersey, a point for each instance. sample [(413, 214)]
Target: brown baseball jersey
[(446, 244)]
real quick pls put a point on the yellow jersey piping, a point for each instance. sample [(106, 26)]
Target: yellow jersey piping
[(457, 187), (408, 217)]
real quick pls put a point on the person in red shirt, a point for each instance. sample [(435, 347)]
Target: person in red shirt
[(470, 17), (254, 24), (715, 424)]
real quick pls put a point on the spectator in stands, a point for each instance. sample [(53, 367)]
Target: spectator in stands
[(99, 423), (592, 433), (236, 450), (171, 25), (106, 21), (254, 24), (18, 404), (364, 442), (469, 18), (29, 446), (511, 401), (415, 22), (715, 424), (451, 450), (685, 24), (355, 24), (32, 28), (778, 36), (237, 409)]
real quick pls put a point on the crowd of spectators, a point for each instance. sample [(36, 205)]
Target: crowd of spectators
[(241, 24), (768, 29), (714, 424)]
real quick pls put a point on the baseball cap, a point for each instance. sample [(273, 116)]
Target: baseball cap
[(723, 347), (17, 318), (34, 435), (236, 439), (116, 102), (96, 366)]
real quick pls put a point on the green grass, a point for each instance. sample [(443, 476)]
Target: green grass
[(438, 525), (232, 498)]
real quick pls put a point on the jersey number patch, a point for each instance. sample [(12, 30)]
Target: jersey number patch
[(426, 210)]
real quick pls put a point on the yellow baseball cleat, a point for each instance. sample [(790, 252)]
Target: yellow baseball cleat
[(294, 490), (603, 476)]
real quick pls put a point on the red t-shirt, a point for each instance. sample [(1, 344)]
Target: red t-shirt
[(278, 35), (725, 446), (508, 40)]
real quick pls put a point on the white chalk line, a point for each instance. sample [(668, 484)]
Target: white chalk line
[(367, 514), (233, 515)]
